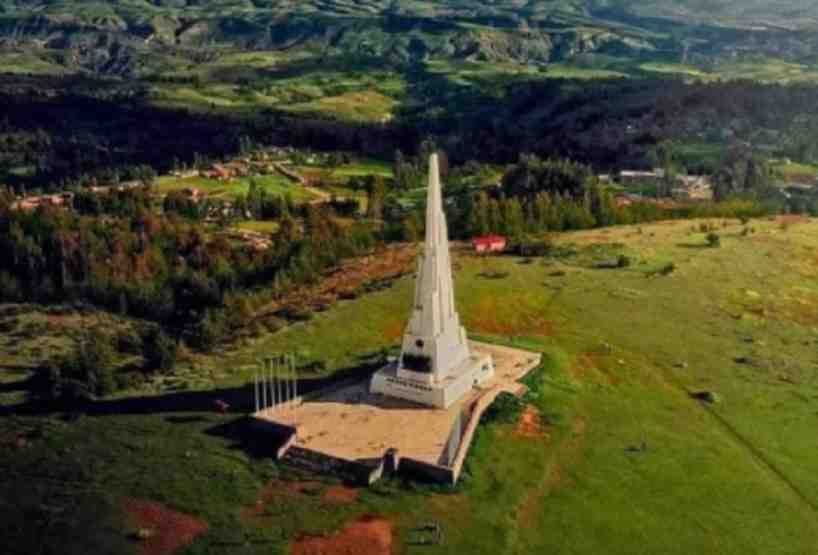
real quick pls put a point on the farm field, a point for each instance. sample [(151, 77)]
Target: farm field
[(611, 453), (799, 173), (341, 174), (274, 185), (288, 83)]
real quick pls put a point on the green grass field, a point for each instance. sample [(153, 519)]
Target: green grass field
[(259, 226), (797, 172), (29, 64), (625, 460), (273, 184)]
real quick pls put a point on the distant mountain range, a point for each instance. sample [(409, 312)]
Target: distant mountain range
[(139, 38)]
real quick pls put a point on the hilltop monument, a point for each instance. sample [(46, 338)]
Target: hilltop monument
[(436, 366)]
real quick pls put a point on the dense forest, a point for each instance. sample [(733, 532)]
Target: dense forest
[(73, 134)]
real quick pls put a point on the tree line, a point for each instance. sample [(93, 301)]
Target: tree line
[(163, 268)]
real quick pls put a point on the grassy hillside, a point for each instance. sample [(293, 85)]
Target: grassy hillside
[(614, 455), (172, 38)]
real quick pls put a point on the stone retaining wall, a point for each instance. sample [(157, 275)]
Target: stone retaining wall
[(360, 472)]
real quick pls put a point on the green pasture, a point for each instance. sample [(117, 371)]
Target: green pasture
[(19, 62), (797, 172), (259, 226), (273, 184), (626, 460)]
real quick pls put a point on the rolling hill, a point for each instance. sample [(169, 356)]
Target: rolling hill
[(139, 38)]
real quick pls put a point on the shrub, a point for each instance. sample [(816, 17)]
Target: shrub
[(713, 240), (494, 274), (506, 409), (207, 332), (623, 261), (534, 248), (159, 350), (349, 294), (128, 341), (316, 366), (85, 373), (295, 314), (667, 269)]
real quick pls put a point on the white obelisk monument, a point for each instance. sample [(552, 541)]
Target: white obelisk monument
[(436, 367)]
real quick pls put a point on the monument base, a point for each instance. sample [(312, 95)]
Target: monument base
[(475, 370)]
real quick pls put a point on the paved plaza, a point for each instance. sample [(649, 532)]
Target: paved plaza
[(352, 424)]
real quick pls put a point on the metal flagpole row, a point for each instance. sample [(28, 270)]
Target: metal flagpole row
[(263, 389), (275, 384), (255, 387), (272, 374)]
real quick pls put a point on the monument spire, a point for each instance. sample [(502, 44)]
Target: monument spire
[(435, 367), (434, 329)]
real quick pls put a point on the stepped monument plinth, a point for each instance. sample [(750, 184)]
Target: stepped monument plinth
[(435, 367)]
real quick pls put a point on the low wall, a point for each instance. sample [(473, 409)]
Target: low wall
[(477, 410), (290, 174), (321, 463), (282, 432), (412, 468)]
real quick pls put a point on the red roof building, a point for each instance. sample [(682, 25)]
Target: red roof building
[(490, 243)]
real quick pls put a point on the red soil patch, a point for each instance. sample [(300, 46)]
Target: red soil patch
[(585, 363), (295, 487), (530, 424), (789, 219), (170, 531), (340, 495), (370, 535), (554, 477), (56, 321), (490, 319), (277, 490), (588, 367), (393, 330)]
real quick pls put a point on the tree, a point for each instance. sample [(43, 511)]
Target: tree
[(410, 228), (159, 350), (662, 156), (207, 332), (513, 221), (758, 176), (375, 200), (85, 373), (495, 219), (602, 206), (531, 175), (478, 223)]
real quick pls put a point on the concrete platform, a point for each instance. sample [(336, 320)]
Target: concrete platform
[(353, 424), (476, 370)]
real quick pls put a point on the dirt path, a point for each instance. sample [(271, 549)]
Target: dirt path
[(346, 280), (553, 476), (321, 195), (764, 463)]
